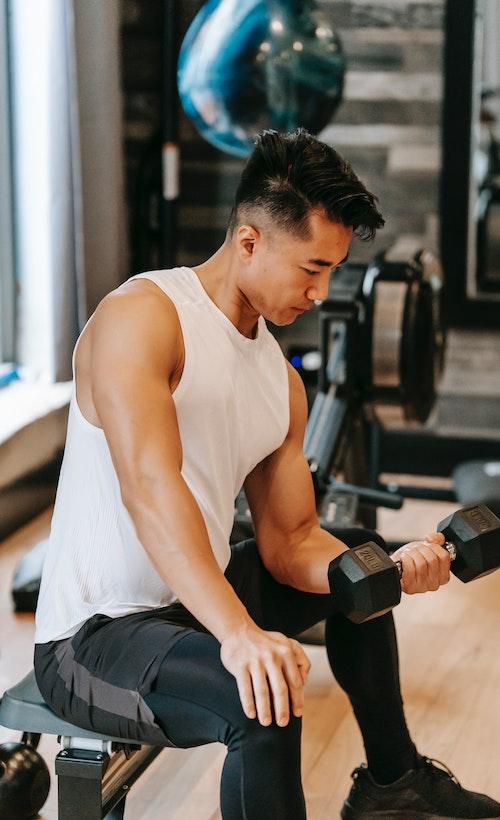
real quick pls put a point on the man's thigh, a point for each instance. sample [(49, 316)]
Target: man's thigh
[(278, 607), (194, 697)]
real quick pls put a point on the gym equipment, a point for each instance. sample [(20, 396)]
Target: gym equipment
[(24, 781), (246, 65), (474, 532), (95, 772), (365, 581), (382, 342), (373, 355), (478, 482), (400, 337)]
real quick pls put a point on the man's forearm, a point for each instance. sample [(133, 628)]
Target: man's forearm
[(171, 529), (303, 564)]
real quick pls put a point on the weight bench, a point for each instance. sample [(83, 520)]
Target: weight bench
[(95, 772)]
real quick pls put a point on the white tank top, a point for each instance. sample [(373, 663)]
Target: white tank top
[(232, 407)]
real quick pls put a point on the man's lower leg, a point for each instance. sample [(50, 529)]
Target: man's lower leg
[(364, 660)]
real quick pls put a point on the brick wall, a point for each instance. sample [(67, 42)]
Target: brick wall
[(387, 126)]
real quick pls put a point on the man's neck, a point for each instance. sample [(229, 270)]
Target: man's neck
[(219, 277)]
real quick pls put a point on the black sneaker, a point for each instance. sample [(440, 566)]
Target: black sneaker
[(424, 793)]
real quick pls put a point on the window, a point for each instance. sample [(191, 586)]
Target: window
[(7, 270)]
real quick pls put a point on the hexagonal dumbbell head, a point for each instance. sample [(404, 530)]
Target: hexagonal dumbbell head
[(364, 582), (475, 532)]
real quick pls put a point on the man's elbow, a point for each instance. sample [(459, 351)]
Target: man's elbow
[(146, 488), (277, 550), (271, 548)]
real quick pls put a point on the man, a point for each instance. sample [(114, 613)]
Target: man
[(149, 626)]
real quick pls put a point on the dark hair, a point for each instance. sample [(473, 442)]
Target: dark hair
[(288, 175)]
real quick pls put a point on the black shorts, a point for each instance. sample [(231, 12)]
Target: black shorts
[(98, 678)]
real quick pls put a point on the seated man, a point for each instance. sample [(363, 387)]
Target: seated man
[(149, 625)]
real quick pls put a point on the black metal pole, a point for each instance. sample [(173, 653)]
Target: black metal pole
[(454, 182), (170, 146)]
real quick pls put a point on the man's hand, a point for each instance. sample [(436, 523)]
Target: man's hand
[(267, 665), (426, 565)]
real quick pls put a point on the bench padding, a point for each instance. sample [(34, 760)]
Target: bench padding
[(22, 707)]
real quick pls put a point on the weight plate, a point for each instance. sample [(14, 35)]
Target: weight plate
[(388, 315)]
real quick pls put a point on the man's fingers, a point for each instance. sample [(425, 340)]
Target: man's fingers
[(261, 694), (423, 581), (302, 660), (435, 538), (444, 562), (245, 691), (433, 569), (408, 579), (295, 676), (426, 566), (281, 693), (275, 684)]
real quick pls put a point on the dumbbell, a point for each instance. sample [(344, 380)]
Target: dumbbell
[(366, 583), (24, 780)]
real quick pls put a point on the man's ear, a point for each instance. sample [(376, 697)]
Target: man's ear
[(246, 240)]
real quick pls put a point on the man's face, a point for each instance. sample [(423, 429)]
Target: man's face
[(283, 275)]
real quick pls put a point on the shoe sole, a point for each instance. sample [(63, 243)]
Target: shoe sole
[(348, 813)]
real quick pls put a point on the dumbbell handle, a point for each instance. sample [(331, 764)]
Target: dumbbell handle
[(448, 546)]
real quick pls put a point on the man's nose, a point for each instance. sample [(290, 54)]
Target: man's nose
[(319, 290)]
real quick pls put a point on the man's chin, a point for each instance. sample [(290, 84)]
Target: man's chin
[(282, 318), (281, 321)]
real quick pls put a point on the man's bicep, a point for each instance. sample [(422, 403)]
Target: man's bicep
[(280, 490), (280, 494)]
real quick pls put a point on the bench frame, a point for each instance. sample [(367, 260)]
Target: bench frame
[(95, 776)]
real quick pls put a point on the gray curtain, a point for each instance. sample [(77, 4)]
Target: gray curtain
[(68, 173)]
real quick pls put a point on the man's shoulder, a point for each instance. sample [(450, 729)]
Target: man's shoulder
[(140, 300), (137, 315), (142, 289)]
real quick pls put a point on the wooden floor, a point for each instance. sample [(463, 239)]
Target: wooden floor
[(450, 669)]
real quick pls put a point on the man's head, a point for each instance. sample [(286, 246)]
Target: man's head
[(296, 209), (289, 175)]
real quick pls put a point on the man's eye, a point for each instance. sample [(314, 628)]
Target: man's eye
[(311, 272)]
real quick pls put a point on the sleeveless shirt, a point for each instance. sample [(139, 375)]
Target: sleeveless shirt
[(232, 406)]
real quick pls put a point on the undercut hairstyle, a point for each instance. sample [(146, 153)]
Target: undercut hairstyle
[(287, 176)]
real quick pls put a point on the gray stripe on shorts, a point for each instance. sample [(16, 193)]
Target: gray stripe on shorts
[(126, 703)]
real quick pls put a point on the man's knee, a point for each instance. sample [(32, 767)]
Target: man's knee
[(250, 732), (193, 673), (244, 730)]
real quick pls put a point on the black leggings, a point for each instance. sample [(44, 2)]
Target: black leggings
[(196, 701)]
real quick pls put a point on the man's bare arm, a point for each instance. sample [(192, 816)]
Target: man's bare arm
[(280, 493), (135, 349), (294, 548)]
